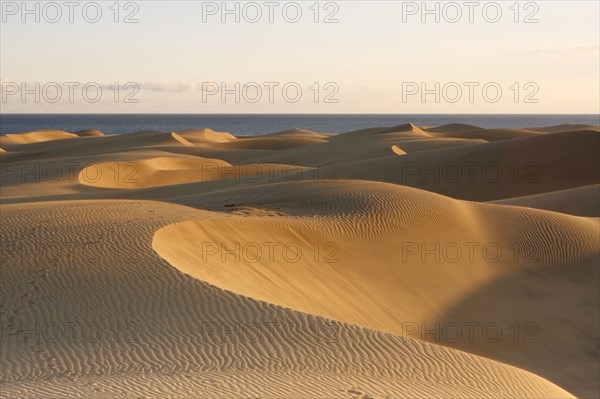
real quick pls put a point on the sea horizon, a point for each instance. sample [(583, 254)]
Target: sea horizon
[(261, 123)]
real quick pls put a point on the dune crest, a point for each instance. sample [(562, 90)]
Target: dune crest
[(566, 128), (182, 140), (397, 150), (206, 136), (35, 137), (89, 133), (153, 172), (395, 231), (580, 201), (336, 246), (453, 127), (180, 331)]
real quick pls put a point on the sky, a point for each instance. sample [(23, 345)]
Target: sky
[(300, 57)]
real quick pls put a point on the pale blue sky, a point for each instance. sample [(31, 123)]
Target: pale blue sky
[(370, 55)]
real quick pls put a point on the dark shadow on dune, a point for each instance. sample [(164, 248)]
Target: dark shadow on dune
[(548, 320)]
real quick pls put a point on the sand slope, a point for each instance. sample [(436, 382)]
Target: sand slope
[(174, 343), (565, 128), (151, 172), (35, 137), (580, 201), (487, 134), (317, 263), (492, 171), (188, 242)]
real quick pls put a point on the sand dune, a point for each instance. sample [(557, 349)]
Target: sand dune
[(89, 133), (488, 134), (174, 342), (580, 201), (397, 150), (453, 127), (408, 129), (206, 136), (273, 142), (180, 247), (295, 133), (566, 128), (151, 172), (391, 228), (492, 171), (183, 141), (35, 137)]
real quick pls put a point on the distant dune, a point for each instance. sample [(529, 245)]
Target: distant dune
[(580, 201), (89, 133), (302, 264), (566, 128), (35, 137)]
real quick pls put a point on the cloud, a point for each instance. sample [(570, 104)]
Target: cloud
[(169, 86), (587, 49), (584, 49)]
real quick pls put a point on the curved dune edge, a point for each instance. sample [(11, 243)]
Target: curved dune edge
[(116, 276), (462, 168), (397, 150), (153, 172), (182, 140), (168, 171), (205, 136), (92, 262), (375, 224), (366, 284)]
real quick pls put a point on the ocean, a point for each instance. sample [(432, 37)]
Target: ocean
[(267, 123)]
